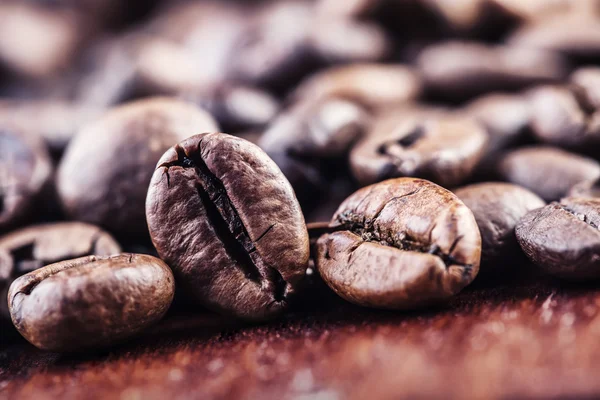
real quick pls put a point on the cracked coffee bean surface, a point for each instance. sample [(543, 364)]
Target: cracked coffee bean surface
[(497, 208), (400, 244), (31, 248), (224, 217), (25, 170), (90, 302), (563, 239), (105, 172), (443, 149)]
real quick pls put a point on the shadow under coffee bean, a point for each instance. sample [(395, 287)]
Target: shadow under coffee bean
[(224, 217)]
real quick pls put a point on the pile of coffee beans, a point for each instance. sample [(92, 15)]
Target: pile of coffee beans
[(242, 156)]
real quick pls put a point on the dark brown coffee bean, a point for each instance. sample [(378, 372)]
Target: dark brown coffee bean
[(323, 129), (589, 189), (497, 208), (106, 169), (576, 35), (236, 107), (442, 149), (506, 118), (563, 239), (90, 302), (36, 42), (25, 170), (403, 243), (31, 248), (561, 116), (224, 217), (549, 172), (456, 70), (371, 85)]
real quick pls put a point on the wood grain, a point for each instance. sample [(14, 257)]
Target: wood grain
[(539, 340)]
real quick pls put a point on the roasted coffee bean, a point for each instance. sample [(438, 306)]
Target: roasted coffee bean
[(371, 85), (586, 189), (506, 118), (236, 107), (322, 129), (497, 208), (575, 35), (56, 121), (223, 216), (442, 149), (25, 170), (561, 116), (458, 70), (274, 51), (36, 42), (563, 239), (549, 172), (106, 169), (31, 248), (90, 302), (310, 142), (401, 244)]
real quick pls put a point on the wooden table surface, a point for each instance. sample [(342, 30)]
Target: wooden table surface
[(536, 340)]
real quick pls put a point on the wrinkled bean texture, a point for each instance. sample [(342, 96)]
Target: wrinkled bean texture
[(90, 302), (224, 217), (28, 249), (400, 244)]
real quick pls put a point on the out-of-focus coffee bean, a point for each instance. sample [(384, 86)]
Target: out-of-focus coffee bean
[(104, 174), (457, 70), (549, 172), (36, 42), (497, 208), (443, 149), (588, 189), (25, 171), (587, 80), (371, 85)]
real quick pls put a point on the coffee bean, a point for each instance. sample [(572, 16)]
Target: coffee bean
[(549, 172), (561, 116), (223, 216), (90, 302), (401, 244), (25, 170), (106, 169), (236, 107), (575, 35), (458, 70), (36, 42), (445, 150), (589, 189), (497, 208), (31, 248), (371, 85), (506, 118), (563, 239)]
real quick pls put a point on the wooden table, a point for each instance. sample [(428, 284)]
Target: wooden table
[(535, 340)]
